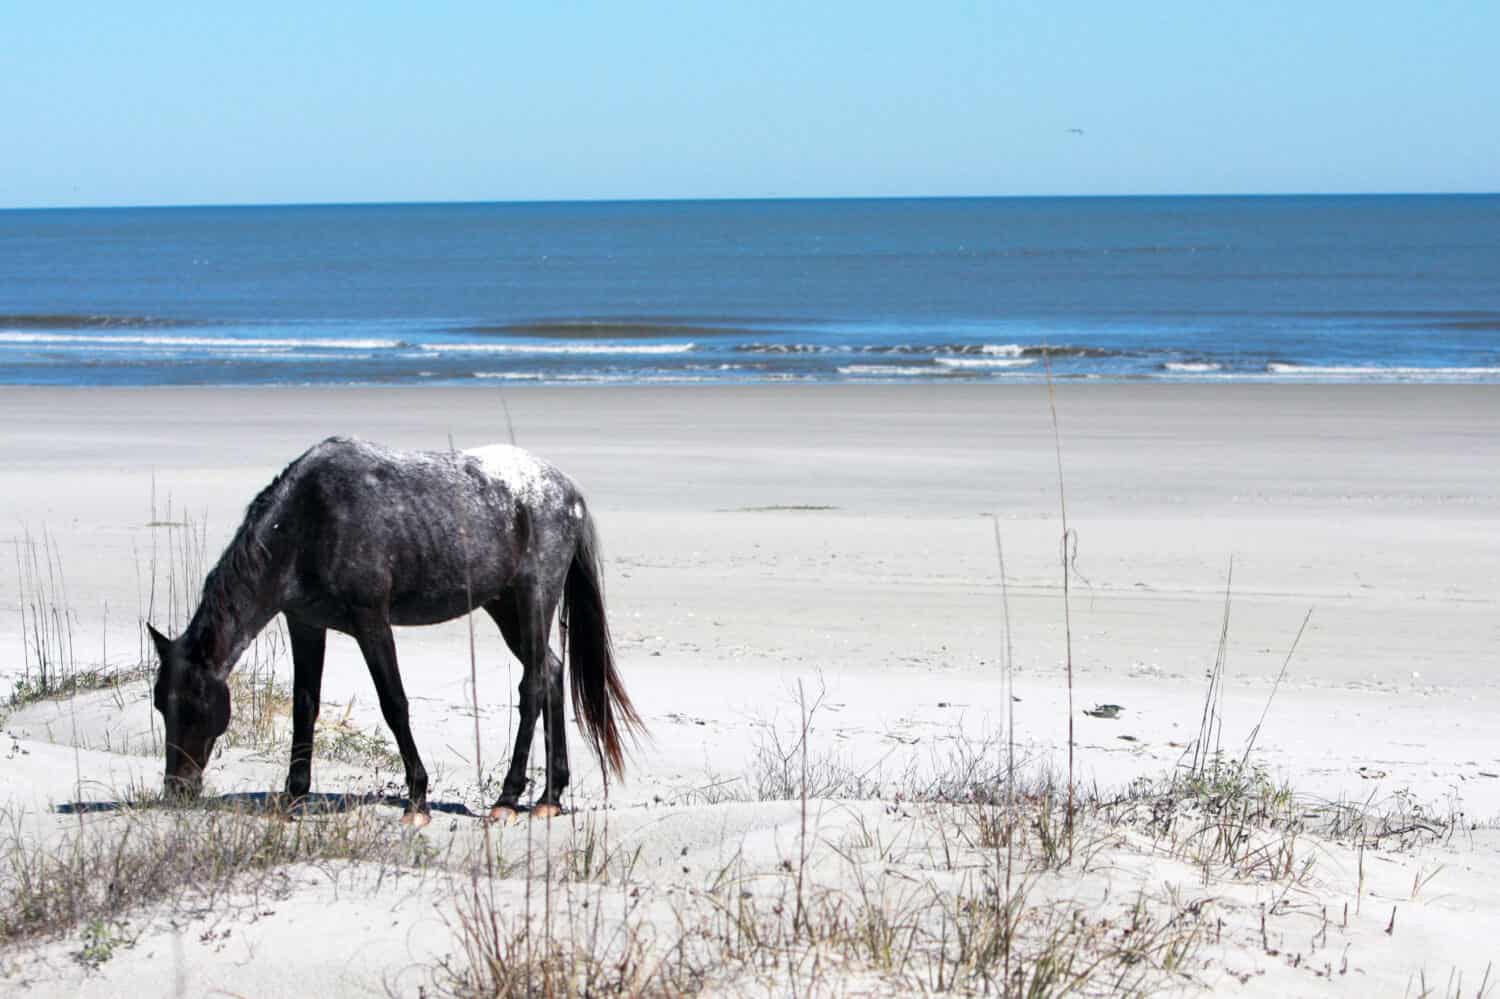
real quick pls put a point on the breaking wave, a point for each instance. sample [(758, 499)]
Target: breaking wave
[(983, 363), (931, 349), (890, 370), (561, 348), (1374, 371)]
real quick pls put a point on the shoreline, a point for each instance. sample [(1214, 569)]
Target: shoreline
[(1355, 377)]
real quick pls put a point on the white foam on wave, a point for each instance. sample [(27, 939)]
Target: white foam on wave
[(114, 340), (985, 362), (281, 354), (667, 378), (1372, 371), (888, 370), (561, 348), (789, 348), (1192, 367), (1003, 349), (594, 378)]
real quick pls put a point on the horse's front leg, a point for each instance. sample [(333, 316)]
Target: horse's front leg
[(308, 644), (373, 632)]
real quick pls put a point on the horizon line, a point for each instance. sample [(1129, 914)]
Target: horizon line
[(462, 202)]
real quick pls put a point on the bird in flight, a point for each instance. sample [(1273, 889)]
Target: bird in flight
[(1075, 131)]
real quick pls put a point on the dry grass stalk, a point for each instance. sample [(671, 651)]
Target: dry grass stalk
[(1211, 725), (48, 661), (1068, 541), (1007, 692), (1285, 664)]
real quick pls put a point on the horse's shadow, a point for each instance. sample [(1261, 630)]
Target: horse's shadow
[(267, 803)]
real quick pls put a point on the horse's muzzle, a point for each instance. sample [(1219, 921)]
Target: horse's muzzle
[(182, 789)]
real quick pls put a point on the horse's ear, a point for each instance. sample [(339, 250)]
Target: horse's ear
[(162, 642)]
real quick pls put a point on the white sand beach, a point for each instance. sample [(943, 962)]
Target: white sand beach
[(841, 538)]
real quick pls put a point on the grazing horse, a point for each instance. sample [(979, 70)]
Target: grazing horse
[(357, 537)]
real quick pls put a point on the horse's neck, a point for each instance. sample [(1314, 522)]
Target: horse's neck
[(223, 637), (236, 605)]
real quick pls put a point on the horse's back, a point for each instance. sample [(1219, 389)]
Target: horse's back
[(534, 481), (556, 515), (425, 532), (356, 476)]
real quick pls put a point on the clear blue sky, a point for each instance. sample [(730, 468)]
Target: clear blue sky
[(183, 103)]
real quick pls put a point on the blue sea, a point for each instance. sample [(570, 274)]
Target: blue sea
[(1292, 289)]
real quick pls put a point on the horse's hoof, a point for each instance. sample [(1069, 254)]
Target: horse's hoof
[(416, 819), (542, 810), (505, 815)]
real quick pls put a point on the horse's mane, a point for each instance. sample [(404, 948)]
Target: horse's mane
[(232, 582)]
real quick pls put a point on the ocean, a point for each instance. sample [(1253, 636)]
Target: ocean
[(1170, 289)]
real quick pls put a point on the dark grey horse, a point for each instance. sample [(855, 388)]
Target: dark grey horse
[(356, 537)]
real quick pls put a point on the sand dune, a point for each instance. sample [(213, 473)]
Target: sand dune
[(841, 538)]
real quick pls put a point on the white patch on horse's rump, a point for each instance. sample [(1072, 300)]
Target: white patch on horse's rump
[(524, 473)]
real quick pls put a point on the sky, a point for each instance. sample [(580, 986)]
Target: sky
[(192, 103)]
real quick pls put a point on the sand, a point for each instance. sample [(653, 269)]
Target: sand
[(842, 537)]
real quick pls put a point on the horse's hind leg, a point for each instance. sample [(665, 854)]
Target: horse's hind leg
[(373, 633), (508, 615), (308, 644), (524, 623), (555, 726)]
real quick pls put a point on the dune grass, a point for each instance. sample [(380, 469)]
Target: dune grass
[(145, 853)]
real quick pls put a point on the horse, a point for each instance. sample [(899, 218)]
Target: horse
[(356, 537)]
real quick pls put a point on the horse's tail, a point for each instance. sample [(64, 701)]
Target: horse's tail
[(599, 699)]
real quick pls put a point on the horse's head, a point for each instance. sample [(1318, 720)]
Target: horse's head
[(194, 705)]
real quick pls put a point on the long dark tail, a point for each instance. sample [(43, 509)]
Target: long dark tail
[(599, 699)]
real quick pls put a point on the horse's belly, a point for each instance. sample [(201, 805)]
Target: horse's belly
[(409, 613), (436, 603)]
